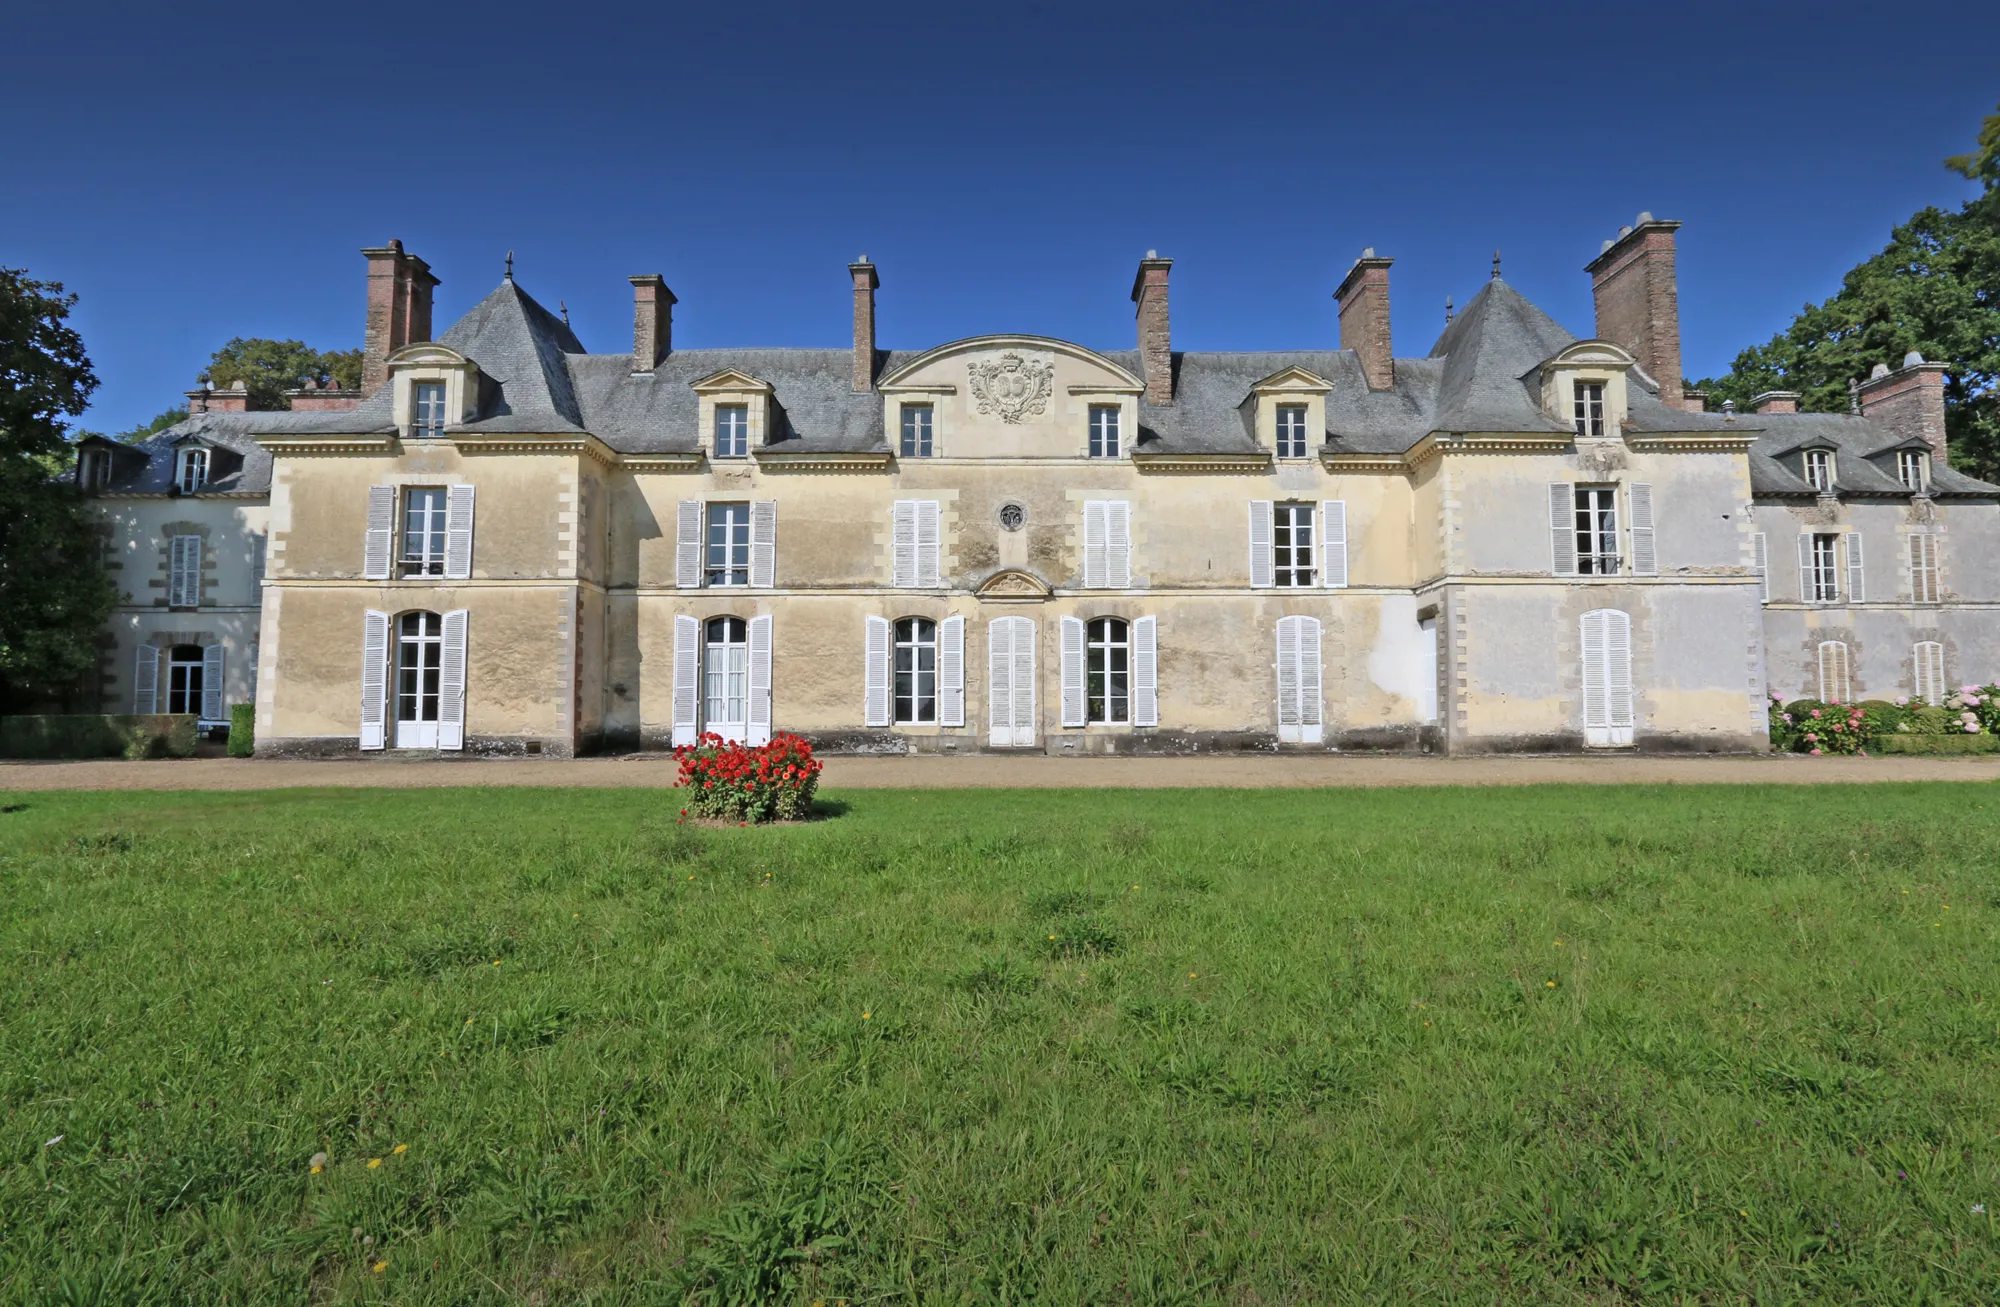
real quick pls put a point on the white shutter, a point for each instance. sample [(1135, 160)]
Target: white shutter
[(1645, 561), (1333, 543), (1000, 681), (1093, 544), (378, 543), (875, 675), (1288, 679), (1805, 568), (687, 545), (1927, 661), (760, 678), (374, 676), (1146, 672), (211, 683), (1072, 671), (458, 534), (903, 545), (1562, 527), (1118, 545), (146, 680), (687, 676), (1311, 725), (1024, 680), (929, 565), (1760, 553), (764, 543), (1618, 659), (451, 679), (1596, 686), (1263, 570), (184, 572), (1857, 591), (1833, 672), (259, 554), (951, 672), (1924, 569)]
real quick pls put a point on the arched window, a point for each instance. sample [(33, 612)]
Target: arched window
[(916, 672), (184, 679), (419, 668), (1835, 685), (726, 678), (191, 469), (1927, 663), (1107, 671)]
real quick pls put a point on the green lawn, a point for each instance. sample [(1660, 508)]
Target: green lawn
[(1556, 1045)]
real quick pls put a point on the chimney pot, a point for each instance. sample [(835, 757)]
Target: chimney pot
[(865, 285), (1879, 370), (652, 321), (1645, 216), (1156, 341), (1633, 283), (1364, 318), (1912, 358), (1368, 252)]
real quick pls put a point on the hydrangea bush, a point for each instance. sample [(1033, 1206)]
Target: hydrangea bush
[(748, 783), (1817, 727)]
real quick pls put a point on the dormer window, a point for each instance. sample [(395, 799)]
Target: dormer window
[(427, 410), (917, 430), (191, 469), (1291, 431), (1590, 409), (1104, 435), (1913, 468), (732, 430), (1819, 470), (93, 469)]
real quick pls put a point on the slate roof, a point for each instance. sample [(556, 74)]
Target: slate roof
[(1863, 463)]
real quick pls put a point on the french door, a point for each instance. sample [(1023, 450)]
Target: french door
[(1010, 682), (1607, 679), (419, 667), (726, 678)]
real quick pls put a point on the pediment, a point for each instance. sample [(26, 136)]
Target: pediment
[(1296, 380), (1014, 585), (1096, 372), (733, 380), (1592, 353), (430, 353)]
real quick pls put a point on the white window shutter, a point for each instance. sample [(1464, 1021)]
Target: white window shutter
[(687, 677), (259, 554), (1000, 681), (1924, 568), (951, 672), (1118, 545), (929, 546), (378, 543), (903, 545), (451, 678), (146, 680), (1333, 543), (1146, 672), (1311, 723), (875, 675), (1094, 532), (184, 572), (1834, 683), (1927, 662), (1618, 657), (1288, 678), (1562, 528), (1805, 567), (458, 534), (1023, 680), (1596, 684), (1263, 568), (760, 679), (1857, 590), (1645, 560), (211, 683), (687, 545), (374, 677), (764, 543), (1072, 671), (1760, 554)]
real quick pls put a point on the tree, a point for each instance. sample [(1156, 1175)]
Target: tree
[(1936, 289), (269, 368), (55, 594), (146, 430)]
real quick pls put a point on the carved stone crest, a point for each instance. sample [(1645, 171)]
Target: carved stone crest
[(1013, 386)]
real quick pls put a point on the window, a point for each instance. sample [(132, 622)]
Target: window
[(423, 532), (184, 679), (1291, 431), (726, 678), (1607, 678), (1596, 530), (184, 571), (1913, 468), (916, 672), (1819, 470), (419, 672), (728, 544), (1107, 672), (1590, 408), (1822, 572), (191, 469), (1292, 544), (732, 430), (1104, 431), (1834, 686), (1924, 569), (1927, 664), (427, 410), (916, 431), (93, 470)]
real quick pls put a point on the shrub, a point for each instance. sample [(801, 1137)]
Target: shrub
[(242, 729), (770, 782), (1810, 726), (91, 735)]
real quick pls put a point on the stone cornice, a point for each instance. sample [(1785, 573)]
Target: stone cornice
[(1691, 442), (1334, 461), (1202, 463), (584, 444), (300, 445), (683, 461), (822, 460), (1438, 444)]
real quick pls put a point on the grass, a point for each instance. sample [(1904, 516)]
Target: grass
[(1553, 1045)]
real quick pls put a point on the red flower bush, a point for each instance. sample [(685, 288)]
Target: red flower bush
[(740, 782)]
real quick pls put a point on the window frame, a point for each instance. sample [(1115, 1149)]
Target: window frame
[(1600, 502), (191, 459), (1909, 460), (1107, 641), (1588, 411), (734, 638), (1825, 568), (917, 431), (728, 570), (93, 469), (1290, 424), (433, 396), (733, 421), (192, 683), (428, 565), (1106, 430), (918, 636), (421, 680), (1819, 470), (1285, 549)]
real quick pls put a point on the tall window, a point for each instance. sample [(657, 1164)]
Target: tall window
[(1913, 468), (1819, 470), (1822, 575), (726, 678), (1589, 408), (184, 679), (916, 672), (1104, 431), (916, 431), (728, 544), (1835, 681), (1597, 530), (191, 469), (427, 410), (1924, 569), (419, 664), (423, 531), (1927, 659), (1291, 431), (1292, 544), (732, 430), (93, 469), (1107, 685)]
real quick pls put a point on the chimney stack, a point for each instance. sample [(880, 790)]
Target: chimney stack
[(233, 398), (1156, 338), (399, 308), (1638, 302), (865, 284), (1776, 401), (652, 321), (1909, 402), (1364, 318), (318, 397)]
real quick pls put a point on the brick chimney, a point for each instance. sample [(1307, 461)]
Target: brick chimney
[(1776, 401), (1156, 337), (1908, 401), (1364, 318), (652, 321), (865, 284), (317, 397), (1695, 401), (234, 398), (1638, 303), (399, 308)]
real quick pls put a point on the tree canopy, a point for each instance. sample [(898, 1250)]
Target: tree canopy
[(269, 368)]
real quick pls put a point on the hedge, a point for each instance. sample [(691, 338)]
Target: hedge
[(1956, 744), (91, 735), (242, 729)]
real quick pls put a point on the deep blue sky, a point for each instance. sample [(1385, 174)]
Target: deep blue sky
[(196, 172)]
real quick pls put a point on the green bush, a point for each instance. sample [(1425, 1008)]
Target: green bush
[(1959, 743), (1926, 719), (93, 735), (242, 729)]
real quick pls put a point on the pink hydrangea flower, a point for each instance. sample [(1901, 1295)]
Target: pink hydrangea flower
[(1815, 753), (1972, 728), (1972, 701), (1902, 701), (1810, 737), (1788, 717), (1815, 712)]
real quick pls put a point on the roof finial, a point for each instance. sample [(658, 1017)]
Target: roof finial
[(1496, 265), (1853, 397), (1447, 310), (564, 306), (510, 265)]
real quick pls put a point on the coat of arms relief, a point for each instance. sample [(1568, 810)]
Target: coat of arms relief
[(1013, 386)]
